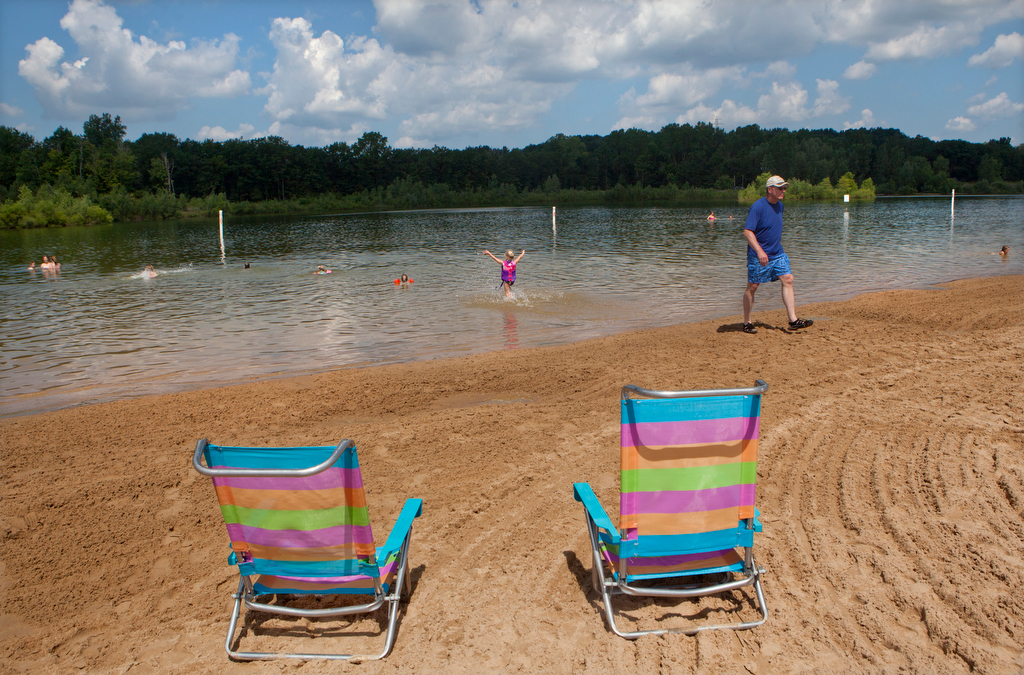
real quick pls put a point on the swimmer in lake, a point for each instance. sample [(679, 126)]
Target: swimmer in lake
[(508, 269), (711, 217), (32, 266), (403, 280), (1004, 251), (149, 272), (320, 269)]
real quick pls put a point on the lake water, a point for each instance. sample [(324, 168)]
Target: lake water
[(99, 330)]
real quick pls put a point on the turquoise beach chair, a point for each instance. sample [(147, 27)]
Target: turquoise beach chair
[(689, 473), (298, 524)]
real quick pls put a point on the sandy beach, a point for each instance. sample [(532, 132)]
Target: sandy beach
[(890, 481)]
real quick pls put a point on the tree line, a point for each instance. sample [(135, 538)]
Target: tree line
[(163, 176)]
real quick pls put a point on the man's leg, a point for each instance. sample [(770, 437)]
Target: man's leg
[(748, 300), (788, 298)]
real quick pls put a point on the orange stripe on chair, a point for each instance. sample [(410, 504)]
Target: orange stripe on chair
[(686, 456), (685, 523), (291, 500), (312, 554)]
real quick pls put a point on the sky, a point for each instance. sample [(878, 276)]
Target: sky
[(462, 73)]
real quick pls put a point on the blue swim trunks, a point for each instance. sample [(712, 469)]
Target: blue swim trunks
[(762, 274)]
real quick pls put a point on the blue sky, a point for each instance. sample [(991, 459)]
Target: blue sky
[(461, 73)]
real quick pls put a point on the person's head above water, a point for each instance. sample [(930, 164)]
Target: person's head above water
[(1004, 250), (404, 278)]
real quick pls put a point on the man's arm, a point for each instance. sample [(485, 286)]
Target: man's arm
[(762, 257)]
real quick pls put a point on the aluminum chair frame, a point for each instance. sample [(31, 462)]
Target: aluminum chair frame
[(617, 583), (245, 594)]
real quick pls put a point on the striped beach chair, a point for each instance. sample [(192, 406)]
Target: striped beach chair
[(686, 510), (298, 524)]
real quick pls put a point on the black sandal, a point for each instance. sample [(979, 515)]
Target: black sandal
[(749, 328), (800, 323)]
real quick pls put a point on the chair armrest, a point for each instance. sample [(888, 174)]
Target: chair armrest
[(582, 493), (413, 509)]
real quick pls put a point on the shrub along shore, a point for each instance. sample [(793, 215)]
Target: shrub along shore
[(49, 207)]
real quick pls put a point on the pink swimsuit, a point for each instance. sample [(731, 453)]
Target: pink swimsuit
[(508, 271)]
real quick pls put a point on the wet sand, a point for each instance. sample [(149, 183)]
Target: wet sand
[(891, 486)]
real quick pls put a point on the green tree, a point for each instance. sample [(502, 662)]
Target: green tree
[(847, 184), (990, 169), (101, 130)]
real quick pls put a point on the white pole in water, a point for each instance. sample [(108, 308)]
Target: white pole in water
[(221, 214), (553, 225), (952, 202)]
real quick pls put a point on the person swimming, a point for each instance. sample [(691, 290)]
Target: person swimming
[(711, 217), (1004, 251), (320, 269), (508, 269), (402, 280), (149, 272)]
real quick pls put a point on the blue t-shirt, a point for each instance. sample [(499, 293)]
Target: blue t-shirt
[(765, 219)]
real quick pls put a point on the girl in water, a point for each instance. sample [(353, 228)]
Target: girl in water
[(508, 268)]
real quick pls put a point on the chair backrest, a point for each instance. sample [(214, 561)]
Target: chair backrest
[(689, 473), (313, 526)]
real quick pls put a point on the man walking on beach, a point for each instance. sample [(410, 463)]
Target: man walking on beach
[(766, 261)]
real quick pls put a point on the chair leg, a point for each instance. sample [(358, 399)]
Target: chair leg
[(235, 612), (597, 563), (743, 625)]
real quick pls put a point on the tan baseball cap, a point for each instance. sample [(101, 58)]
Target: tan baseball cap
[(776, 181)]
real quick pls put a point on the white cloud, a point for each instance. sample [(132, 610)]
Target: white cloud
[(647, 122), (326, 85), (219, 133), (10, 110), (829, 102), (409, 142), (728, 115), (867, 119), (861, 70), (317, 83), (992, 80), (960, 124), (1000, 106), (140, 78), (786, 102), (1001, 54), (686, 87), (925, 42)]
